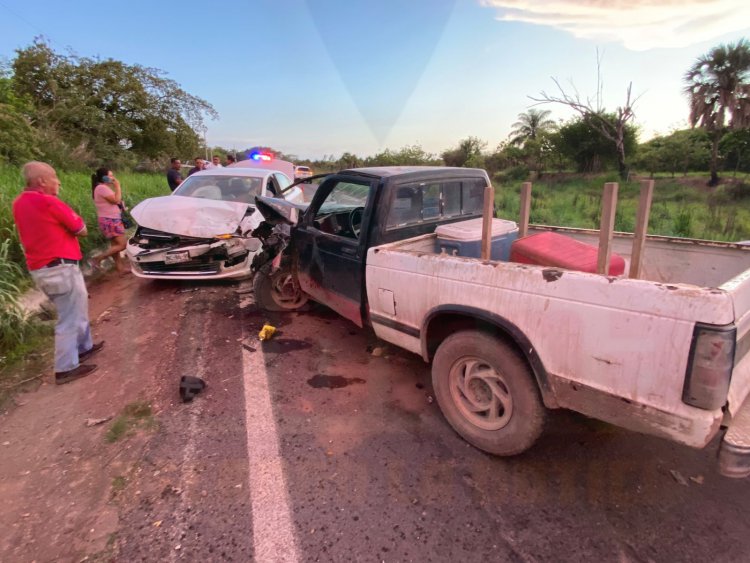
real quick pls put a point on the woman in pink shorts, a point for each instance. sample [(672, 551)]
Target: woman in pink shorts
[(107, 195)]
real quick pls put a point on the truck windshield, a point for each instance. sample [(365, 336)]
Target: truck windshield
[(342, 211), (345, 195)]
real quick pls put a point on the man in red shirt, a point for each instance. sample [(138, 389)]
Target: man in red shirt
[(49, 232)]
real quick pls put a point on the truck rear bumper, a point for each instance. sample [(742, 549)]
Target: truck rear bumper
[(734, 452)]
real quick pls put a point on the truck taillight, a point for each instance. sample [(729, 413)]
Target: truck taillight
[(709, 366)]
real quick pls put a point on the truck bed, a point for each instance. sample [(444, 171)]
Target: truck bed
[(600, 339), (671, 260)]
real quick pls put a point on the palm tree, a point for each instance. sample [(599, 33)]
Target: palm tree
[(718, 88), (530, 125)]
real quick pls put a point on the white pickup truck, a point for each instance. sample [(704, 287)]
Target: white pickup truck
[(666, 354)]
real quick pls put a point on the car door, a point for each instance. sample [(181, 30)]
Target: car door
[(331, 245)]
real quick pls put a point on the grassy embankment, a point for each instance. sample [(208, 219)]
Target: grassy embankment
[(17, 335), (682, 207)]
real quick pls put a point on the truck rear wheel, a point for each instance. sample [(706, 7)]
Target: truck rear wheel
[(277, 290), (487, 393)]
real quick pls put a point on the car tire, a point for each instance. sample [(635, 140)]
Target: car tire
[(487, 393), (271, 290)]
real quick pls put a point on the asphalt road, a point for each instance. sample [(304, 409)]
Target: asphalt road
[(323, 444)]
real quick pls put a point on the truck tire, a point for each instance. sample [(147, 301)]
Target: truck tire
[(487, 393), (275, 291)]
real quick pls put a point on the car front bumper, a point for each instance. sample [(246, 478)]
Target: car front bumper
[(215, 260)]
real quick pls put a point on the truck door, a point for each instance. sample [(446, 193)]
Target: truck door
[(331, 245)]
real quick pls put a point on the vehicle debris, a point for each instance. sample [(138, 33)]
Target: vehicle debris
[(266, 332), (677, 476), (96, 421), (190, 386)]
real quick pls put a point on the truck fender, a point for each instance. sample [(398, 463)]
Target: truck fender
[(461, 317)]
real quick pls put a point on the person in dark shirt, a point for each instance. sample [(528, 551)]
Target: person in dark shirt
[(174, 176), (200, 164)]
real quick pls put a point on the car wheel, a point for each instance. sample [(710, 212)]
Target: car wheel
[(278, 290), (487, 393)]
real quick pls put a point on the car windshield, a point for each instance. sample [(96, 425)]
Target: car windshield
[(241, 189)]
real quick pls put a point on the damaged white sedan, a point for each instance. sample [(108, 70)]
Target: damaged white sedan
[(202, 230)]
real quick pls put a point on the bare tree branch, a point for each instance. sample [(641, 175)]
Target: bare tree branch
[(611, 127)]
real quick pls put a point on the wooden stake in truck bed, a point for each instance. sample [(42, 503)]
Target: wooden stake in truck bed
[(665, 354)]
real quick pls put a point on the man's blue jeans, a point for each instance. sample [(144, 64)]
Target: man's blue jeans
[(65, 287)]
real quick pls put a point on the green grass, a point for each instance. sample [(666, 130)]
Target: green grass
[(118, 484), (135, 415), (681, 207)]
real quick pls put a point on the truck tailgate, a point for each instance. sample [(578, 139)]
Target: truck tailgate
[(739, 289)]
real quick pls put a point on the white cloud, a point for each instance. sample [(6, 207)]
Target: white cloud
[(638, 24)]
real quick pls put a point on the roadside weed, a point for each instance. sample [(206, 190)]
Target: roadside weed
[(134, 416), (15, 327)]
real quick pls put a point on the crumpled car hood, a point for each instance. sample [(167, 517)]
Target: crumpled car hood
[(191, 216)]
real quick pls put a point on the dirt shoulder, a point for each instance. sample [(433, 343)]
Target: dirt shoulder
[(59, 478)]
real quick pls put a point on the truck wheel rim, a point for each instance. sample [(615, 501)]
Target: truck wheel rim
[(285, 292), (480, 393)]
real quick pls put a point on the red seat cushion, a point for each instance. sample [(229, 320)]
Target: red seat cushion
[(553, 249)]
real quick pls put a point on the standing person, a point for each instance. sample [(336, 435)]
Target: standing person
[(109, 212), (230, 159), (200, 164), (215, 163), (174, 174), (49, 232)]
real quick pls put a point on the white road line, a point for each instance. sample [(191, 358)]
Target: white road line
[(273, 528)]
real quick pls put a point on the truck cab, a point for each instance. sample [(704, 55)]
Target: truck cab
[(354, 210)]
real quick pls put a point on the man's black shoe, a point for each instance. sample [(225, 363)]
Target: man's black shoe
[(90, 352), (72, 374)]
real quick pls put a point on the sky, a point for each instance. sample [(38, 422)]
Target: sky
[(314, 78)]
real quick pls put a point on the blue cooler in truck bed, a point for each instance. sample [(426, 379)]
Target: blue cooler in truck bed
[(465, 238)]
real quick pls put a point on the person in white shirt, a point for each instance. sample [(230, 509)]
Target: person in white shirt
[(215, 163)]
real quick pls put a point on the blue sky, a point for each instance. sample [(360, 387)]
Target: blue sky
[(320, 77)]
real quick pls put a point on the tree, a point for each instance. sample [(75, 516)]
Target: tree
[(735, 146), (611, 125), (680, 151), (583, 141), (18, 140), (530, 125), (104, 109), (718, 86), (468, 153), (409, 155)]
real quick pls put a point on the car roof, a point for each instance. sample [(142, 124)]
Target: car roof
[(232, 171)]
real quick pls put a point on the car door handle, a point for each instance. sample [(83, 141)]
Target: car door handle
[(349, 251)]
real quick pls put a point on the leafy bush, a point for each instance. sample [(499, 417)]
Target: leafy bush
[(518, 173)]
